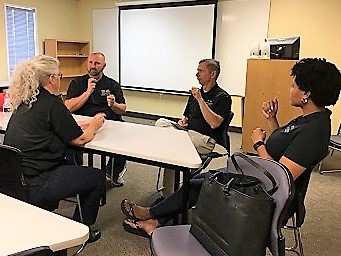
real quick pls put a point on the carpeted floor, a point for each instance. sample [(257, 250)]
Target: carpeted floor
[(320, 231)]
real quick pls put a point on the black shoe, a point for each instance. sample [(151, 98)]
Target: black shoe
[(117, 184), (109, 185), (94, 235)]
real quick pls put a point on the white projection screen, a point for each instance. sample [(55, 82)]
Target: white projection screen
[(160, 46)]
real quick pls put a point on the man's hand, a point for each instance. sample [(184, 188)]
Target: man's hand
[(111, 100), (183, 122), (196, 93), (91, 85)]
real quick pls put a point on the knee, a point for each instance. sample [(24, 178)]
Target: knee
[(102, 176), (162, 122), (99, 177)]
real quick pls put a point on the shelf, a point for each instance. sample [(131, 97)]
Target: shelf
[(71, 76), (72, 56)]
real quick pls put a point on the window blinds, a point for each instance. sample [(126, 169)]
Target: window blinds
[(21, 41)]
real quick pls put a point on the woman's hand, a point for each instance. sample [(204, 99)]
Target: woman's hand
[(258, 134), (270, 108), (97, 121)]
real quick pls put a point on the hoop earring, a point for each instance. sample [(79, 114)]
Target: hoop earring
[(304, 100)]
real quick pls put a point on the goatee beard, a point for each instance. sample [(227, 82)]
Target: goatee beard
[(93, 72)]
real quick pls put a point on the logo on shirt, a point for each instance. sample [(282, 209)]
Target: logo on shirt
[(209, 103), (289, 128), (105, 92)]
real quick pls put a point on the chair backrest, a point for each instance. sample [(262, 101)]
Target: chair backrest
[(225, 138), (297, 206), (11, 177), (224, 142), (282, 197)]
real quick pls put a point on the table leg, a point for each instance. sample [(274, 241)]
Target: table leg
[(176, 187), (90, 159), (103, 167), (185, 187)]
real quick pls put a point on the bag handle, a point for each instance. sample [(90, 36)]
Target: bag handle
[(226, 187), (258, 167)]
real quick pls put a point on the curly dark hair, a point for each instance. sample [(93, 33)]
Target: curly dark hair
[(319, 77)]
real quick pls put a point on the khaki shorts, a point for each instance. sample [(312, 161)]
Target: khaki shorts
[(203, 143)]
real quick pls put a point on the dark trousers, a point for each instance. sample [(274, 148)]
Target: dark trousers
[(173, 204), (118, 161), (69, 180)]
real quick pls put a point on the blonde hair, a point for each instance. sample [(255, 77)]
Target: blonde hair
[(28, 76)]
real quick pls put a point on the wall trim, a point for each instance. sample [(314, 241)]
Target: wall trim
[(156, 117)]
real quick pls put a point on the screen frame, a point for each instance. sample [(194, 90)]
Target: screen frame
[(164, 5), (287, 47)]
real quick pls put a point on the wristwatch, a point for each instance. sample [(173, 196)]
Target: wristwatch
[(258, 144)]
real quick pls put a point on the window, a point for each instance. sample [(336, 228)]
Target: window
[(21, 35)]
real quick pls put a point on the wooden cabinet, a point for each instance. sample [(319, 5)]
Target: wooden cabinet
[(72, 56), (266, 79)]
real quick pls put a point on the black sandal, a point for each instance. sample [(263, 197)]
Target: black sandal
[(137, 230), (129, 213)]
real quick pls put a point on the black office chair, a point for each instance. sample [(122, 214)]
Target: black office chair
[(207, 158), (11, 177), (334, 144), (38, 251), (177, 240), (12, 181)]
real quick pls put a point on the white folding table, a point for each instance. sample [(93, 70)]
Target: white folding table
[(169, 148), (25, 226)]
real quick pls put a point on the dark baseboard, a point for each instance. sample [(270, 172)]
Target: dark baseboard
[(156, 117), (145, 116), (235, 129)]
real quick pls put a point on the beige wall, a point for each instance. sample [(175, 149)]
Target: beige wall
[(316, 21)]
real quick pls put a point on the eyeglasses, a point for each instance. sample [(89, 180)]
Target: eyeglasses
[(59, 74)]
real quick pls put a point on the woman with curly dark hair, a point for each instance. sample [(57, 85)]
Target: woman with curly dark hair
[(302, 143), (299, 145)]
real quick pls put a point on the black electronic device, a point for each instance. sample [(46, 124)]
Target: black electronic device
[(284, 48), (178, 126)]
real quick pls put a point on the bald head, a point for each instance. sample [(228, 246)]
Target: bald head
[(96, 64)]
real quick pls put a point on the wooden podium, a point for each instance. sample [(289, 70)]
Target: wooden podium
[(266, 79)]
